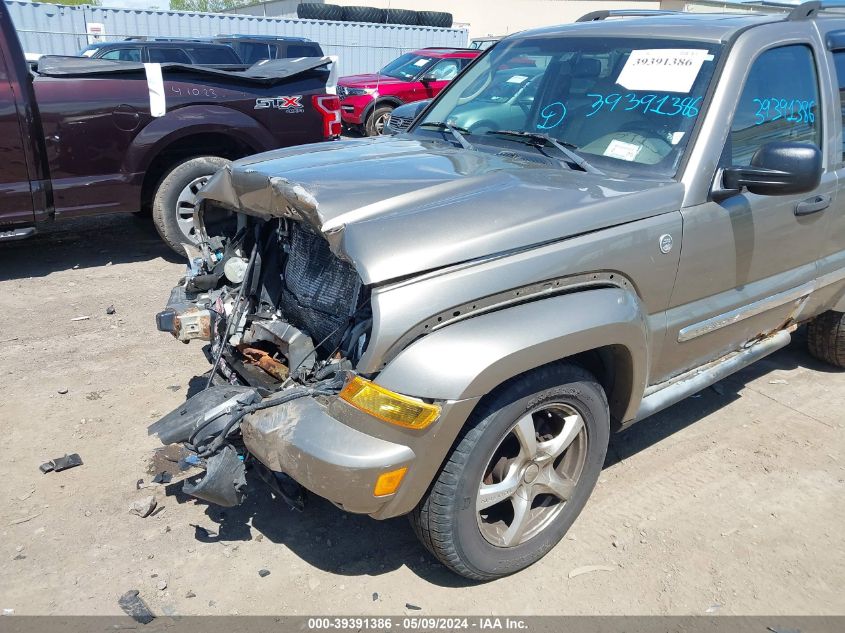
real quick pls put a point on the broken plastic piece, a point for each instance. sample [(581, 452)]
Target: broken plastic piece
[(189, 460), (204, 415), (61, 463), (163, 477), (135, 607), (224, 482)]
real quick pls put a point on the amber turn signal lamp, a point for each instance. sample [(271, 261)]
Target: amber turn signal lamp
[(388, 483), (388, 406)]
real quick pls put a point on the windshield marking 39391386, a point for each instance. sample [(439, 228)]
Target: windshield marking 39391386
[(613, 104)]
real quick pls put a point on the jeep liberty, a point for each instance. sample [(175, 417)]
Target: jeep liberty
[(448, 323)]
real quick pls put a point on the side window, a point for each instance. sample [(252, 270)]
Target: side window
[(445, 70), (779, 103), (252, 52), (304, 50), (165, 55), (124, 54), (839, 63)]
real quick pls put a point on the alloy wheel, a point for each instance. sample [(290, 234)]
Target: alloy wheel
[(531, 474), (380, 123)]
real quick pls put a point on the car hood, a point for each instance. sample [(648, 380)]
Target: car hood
[(369, 81), (398, 206)]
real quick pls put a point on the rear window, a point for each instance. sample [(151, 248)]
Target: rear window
[(222, 55), (168, 55), (304, 50), (252, 52), (123, 54)]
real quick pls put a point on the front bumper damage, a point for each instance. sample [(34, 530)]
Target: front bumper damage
[(290, 435), (287, 317)]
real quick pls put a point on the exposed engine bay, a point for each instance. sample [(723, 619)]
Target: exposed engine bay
[(276, 305), (285, 319)]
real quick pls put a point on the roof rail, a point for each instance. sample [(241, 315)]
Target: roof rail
[(808, 10), (595, 16)]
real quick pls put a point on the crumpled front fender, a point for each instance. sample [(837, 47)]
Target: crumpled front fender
[(472, 357)]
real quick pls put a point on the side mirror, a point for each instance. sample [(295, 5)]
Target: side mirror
[(427, 79), (778, 168)]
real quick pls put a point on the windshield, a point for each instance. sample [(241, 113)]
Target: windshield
[(407, 66), (625, 104)]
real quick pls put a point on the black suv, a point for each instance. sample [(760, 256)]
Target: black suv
[(168, 51)]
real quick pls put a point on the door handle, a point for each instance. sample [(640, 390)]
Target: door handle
[(812, 205)]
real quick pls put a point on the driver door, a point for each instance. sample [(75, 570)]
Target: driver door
[(16, 205), (748, 261)]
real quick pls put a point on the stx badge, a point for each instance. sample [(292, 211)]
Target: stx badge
[(291, 105)]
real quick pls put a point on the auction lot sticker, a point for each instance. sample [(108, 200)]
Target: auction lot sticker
[(662, 69)]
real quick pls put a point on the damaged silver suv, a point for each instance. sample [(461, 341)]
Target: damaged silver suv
[(591, 223)]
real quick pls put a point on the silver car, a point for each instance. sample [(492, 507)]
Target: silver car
[(449, 323)]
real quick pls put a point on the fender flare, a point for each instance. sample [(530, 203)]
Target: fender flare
[(183, 122), (839, 305), (469, 359), (372, 105)]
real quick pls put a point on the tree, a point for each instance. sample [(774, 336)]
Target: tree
[(206, 6), (93, 3)]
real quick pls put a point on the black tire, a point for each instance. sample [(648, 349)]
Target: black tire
[(400, 16), (377, 120), (166, 197), (364, 14), (434, 18), (826, 338), (447, 521), (315, 11)]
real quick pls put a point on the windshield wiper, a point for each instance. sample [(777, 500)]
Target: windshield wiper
[(457, 132), (544, 139)]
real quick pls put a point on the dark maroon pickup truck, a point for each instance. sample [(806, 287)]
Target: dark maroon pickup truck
[(81, 136)]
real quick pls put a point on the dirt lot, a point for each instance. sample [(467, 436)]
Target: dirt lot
[(729, 503)]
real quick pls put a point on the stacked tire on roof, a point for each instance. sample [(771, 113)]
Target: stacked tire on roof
[(315, 11)]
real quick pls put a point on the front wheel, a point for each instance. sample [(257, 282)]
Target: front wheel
[(519, 474), (377, 120), (175, 197)]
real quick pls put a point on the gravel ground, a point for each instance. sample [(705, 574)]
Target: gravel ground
[(730, 502)]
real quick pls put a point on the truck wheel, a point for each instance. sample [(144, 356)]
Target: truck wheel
[(519, 474), (377, 120), (175, 197), (826, 338)]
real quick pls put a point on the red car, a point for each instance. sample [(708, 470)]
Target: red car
[(368, 100)]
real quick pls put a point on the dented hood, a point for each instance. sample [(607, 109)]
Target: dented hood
[(399, 206)]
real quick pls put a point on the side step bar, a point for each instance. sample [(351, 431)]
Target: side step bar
[(11, 235), (668, 393)]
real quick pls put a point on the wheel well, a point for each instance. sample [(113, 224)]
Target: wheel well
[(206, 144), (612, 366), (377, 104)]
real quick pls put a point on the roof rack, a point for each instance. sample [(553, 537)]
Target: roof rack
[(595, 16), (808, 10)]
